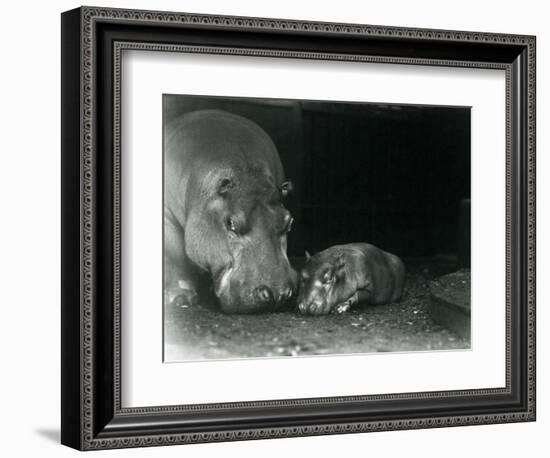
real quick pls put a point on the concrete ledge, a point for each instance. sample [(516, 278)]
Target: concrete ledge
[(450, 302)]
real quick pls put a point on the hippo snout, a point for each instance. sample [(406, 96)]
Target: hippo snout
[(314, 307), (263, 294), (268, 296)]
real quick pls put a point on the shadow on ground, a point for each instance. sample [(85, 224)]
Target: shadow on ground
[(52, 435), (193, 333)]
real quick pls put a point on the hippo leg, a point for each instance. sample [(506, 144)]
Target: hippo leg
[(182, 298), (343, 307), (347, 304), (360, 296), (180, 284)]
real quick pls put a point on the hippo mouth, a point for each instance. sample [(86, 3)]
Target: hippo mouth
[(221, 280)]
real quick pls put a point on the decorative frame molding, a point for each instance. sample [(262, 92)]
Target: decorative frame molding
[(96, 408)]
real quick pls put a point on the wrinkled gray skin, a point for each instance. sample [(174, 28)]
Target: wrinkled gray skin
[(225, 225), (344, 275)]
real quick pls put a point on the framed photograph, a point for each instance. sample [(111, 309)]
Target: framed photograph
[(277, 228)]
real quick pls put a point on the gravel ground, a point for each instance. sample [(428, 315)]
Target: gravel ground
[(193, 333)]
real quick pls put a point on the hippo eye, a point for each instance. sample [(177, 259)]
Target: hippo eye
[(327, 277), (288, 226), (230, 224), (223, 186), (286, 188)]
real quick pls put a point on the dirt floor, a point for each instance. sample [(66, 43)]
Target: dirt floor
[(193, 332)]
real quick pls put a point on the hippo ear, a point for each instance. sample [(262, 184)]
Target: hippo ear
[(286, 188), (308, 256), (224, 185), (340, 262)]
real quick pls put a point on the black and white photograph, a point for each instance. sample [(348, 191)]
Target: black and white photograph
[(278, 223), (308, 227)]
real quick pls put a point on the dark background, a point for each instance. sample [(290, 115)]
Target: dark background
[(391, 175)]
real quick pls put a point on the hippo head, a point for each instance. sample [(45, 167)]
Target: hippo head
[(251, 271), (323, 283), (236, 225)]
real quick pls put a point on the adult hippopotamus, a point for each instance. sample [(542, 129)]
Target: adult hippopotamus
[(225, 225), (343, 275)]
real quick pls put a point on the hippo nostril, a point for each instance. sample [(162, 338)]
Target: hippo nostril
[(286, 294), (263, 294)]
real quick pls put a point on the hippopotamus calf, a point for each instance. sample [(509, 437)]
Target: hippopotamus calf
[(225, 225), (344, 275)]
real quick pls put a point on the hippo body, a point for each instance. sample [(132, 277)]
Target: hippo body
[(343, 275), (225, 224)]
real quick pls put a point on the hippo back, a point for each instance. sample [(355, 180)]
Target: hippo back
[(202, 144)]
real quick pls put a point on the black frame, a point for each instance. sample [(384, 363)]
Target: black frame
[(92, 42)]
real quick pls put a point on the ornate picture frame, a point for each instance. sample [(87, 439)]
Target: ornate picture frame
[(93, 416)]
